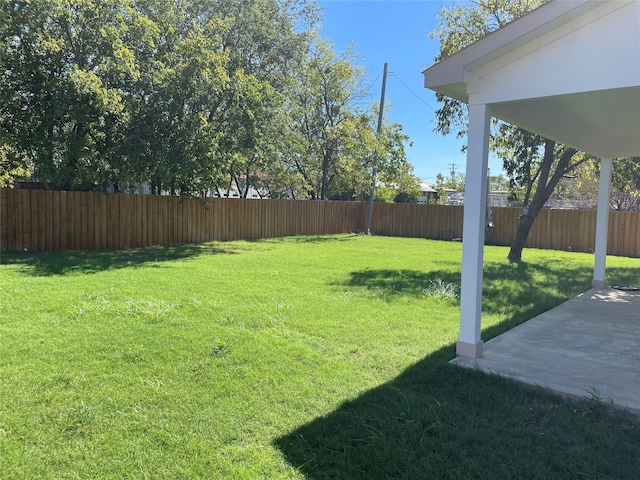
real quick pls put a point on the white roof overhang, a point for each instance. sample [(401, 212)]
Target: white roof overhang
[(569, 71)]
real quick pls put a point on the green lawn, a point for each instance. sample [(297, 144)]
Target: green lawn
[(322, 357)]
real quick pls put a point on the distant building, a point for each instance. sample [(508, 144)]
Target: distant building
[(144, 188), (496, 198), (427, 193), (454, 198)]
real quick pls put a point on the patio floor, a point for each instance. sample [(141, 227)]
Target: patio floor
[(588, 346)]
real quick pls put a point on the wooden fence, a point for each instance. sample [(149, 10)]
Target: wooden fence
[(570, 230), (48, 220)]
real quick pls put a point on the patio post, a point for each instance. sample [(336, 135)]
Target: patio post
[(475, 200), (602, 223)]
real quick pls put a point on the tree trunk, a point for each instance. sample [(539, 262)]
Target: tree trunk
[(246, 183), (238, 186), (544, 188), (324, 187), (525, 222)]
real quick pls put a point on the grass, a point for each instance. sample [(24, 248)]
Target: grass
[(322, 357)]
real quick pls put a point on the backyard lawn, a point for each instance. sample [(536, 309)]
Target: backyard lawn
[(304, 357)]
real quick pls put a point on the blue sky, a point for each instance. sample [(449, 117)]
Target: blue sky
[(397, 32)]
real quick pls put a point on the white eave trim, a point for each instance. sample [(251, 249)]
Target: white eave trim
[(449, 76)]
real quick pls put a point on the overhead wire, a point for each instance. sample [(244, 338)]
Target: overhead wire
[(391, 74), (374, 82)]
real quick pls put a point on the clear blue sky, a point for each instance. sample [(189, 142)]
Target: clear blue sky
[(397, 32)]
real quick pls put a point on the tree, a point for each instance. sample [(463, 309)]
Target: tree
[(209, 105), (407, 188), (625, 194), (393, 166), (534, 164), (267, 42), (185, 96), (625, 185), (498, 182), (179, 94), (580, 188), (64, 66), (355, 166), (323, 116), (174, 140), (453, 182), (10, 167)]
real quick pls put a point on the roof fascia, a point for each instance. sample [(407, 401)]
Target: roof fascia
[(474, 72), (448, 76)]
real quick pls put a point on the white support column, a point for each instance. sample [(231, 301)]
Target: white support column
[(475, 201), (602, 223)]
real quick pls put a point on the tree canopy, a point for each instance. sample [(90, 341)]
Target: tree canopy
[(187, 97), (580, 189)]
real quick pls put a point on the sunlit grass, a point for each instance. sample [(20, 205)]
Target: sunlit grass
[(206, 361)]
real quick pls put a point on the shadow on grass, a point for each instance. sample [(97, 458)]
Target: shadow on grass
[(309, 239), (440, 421), (516, 291), (94, 261)]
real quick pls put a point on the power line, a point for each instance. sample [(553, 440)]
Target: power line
[(374, 82), (411, 91)]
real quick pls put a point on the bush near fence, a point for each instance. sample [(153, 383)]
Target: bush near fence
[(50, 220)]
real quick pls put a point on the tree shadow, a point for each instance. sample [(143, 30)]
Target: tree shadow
[(436, 420), (94, 261), (311, 238), (516, 291)]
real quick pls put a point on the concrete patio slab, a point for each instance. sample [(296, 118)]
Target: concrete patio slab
[(588, 346)]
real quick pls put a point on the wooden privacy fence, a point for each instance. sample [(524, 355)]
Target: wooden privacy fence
[(48, 220), (570, 230)]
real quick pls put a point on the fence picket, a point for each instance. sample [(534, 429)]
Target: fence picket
[(51, 220)]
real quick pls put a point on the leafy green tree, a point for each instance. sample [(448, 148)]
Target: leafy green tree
[(65, 65), (185, 96), (355, 166), (175, 136), (175, 93), (625, 182), (332, 143), (533, 164), (453, 182), (407, 189), (323, 116), (498, 182), (267, 42), (393, 165), (582, 187), (11, 170)]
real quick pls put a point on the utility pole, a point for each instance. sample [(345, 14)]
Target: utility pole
[(453, 173), (375, 157)]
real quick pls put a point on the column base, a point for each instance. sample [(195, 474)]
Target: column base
[(469, 350), (598, 284)]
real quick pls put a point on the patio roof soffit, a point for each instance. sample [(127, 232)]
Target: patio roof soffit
[(559, 72), (454, 76)]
